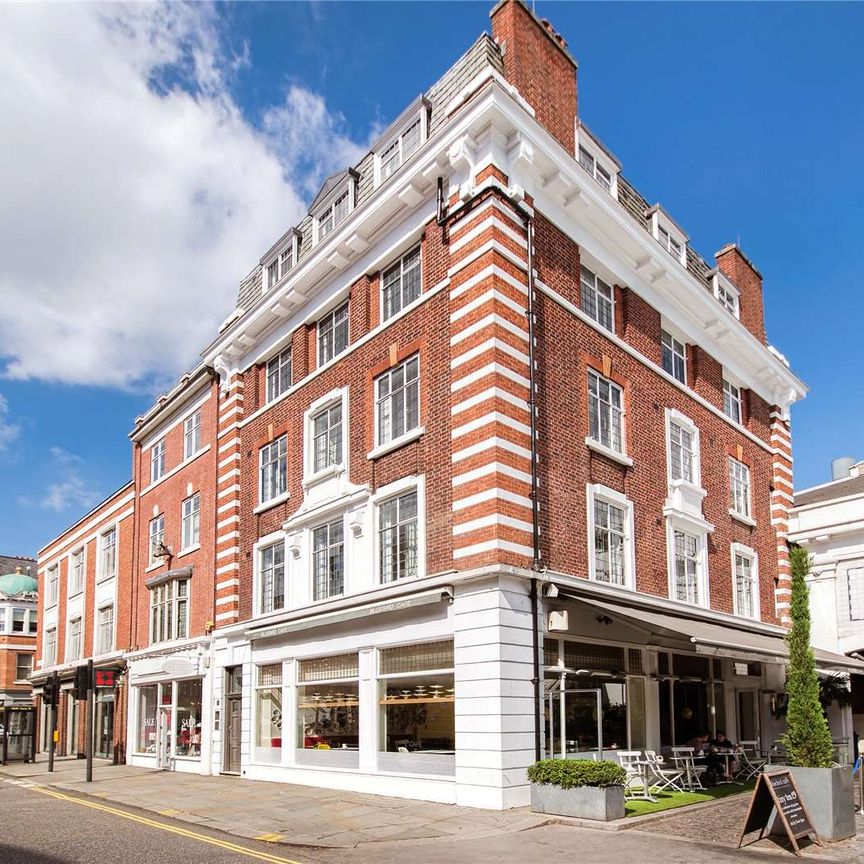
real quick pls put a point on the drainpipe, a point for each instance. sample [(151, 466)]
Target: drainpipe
[(443, 216)]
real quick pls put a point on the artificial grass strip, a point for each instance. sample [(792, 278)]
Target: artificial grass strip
[(673, 800)]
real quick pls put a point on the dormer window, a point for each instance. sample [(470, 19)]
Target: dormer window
[(280, 259), (333, 215), (726, 294), (668, 234), (597, 171), (397, 146), (597, 160)]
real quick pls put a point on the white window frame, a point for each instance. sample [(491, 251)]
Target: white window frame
[(326, 402), (276, 267), (102, 571), (419, 115), (260, 547), (320, 219), (279, 362), (601, 160), (735, 398), (70, 636), (399, 264), (733, 466), (410, 433), (157, 460), (155, 529), (697, 530), (18, 654), (49, 657), (52, 584), (174, 600), (676, 418), (279, 495), (666, 232), (595, 442), (853, 605), (190, 518), (671, 343), (403, 486), (589, 284), (331, 316), (192, 434), (77, 557), (593, 493), (727, 294), (740, 550), (325, 523), (100, 614)]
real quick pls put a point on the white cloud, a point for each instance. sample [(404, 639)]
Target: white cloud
[(8, 430), (72, 489), (135, 193)]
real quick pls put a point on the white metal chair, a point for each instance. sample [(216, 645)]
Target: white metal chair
[(751, 759), (636, 768), (683, 758), (665, 778)]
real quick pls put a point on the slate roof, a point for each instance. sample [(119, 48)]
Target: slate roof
[(9, 563), (837, 489), (483, 53)]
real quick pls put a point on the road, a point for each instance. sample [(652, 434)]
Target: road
[(47, 826)]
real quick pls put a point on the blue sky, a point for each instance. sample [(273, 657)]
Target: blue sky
[(744, 120)]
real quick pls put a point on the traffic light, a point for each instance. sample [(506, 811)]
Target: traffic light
[(81, 684), (49, 693)]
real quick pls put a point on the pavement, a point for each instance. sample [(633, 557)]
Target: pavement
[(308, 825)]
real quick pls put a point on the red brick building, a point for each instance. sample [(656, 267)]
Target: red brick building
[(18, 626), (85, 581), (492, 463)]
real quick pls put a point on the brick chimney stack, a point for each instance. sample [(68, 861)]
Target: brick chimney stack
[(739, 269), (538, 64)]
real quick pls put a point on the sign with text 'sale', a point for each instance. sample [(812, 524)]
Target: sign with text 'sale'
[(776, 792)]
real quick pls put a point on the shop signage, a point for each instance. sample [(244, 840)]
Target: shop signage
[(178, 667), (104, 677), (776, 792)]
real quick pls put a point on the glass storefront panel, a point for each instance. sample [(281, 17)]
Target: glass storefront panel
[(268, 712), (187, 719), (636, 709), (145, 741), (328, 716), (105, 724), (417, 714)]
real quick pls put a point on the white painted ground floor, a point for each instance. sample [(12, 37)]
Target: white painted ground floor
[(430, 693)]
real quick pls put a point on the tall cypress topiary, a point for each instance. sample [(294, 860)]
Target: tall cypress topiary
[(808, 738)]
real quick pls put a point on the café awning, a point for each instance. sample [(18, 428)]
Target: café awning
[(715, 638)]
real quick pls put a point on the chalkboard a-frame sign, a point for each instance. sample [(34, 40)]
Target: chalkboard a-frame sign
[(777, 791)]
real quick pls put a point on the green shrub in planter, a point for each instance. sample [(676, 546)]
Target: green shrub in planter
[(575, 773)]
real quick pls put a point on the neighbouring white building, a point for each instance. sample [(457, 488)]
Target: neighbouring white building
[(829, 521)]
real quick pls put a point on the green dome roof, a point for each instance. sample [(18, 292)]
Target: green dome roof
[(17, 583)]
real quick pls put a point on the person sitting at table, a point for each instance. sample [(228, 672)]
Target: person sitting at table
[(721, 744), (699, 744)]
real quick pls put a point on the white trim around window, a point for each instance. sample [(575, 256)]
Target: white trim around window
[(404, 396), (726, 293), (733, 400), (691, 538), (673, 354), (323, 408), (77, 561), (622, 573), (740, 491), (745, 581), (271, 541), (404, 486), (685, 493), (394, 151), (106, 564), (157, 460), (668, 234)]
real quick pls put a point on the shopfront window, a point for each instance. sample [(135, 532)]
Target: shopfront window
[(268, 711), (417, 701), (187, 729), (691, 704), (328, 707), (147, 700)]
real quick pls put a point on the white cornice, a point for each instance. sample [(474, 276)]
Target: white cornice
[(495, 127)]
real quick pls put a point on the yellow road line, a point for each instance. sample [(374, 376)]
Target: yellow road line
[(193, 835), (273, 837)]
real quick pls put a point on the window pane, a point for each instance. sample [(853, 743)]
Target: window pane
[(146, 740), (187, 727)]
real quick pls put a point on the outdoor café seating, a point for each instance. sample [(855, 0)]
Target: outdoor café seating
[(665, 779), (751, 761), (684, 759)]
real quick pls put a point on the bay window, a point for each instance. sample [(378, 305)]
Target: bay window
[(169, 610)]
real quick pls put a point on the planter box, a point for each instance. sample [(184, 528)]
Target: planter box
[(583, 802), (827, 796)]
